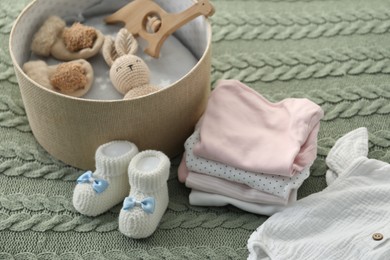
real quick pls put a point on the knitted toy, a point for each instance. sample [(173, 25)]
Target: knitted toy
[(129, 73), (72, 78), (76, 42)]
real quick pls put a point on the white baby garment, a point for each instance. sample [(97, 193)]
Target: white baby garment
[(350, 219), (199, 198)]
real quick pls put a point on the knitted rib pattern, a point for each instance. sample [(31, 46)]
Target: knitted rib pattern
[(146, 183), (111, 168), (334, 52)]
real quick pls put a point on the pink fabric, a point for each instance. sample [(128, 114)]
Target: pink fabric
[(182, 171), (242, 129)]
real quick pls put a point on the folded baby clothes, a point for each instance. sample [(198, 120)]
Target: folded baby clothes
[(242, 129), (199, 198), (209, 184), (347, 220), (277, 185)]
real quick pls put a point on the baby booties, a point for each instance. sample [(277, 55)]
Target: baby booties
[(143, 208), (99, 191)]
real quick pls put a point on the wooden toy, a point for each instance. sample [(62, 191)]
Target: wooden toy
[(137, 14)]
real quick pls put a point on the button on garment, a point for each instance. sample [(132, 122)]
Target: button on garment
[(377, 236)]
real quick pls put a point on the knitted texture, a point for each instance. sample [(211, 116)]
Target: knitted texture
[(129, 73), (112, 160), (142, 90), (346, 72), (145, 183)]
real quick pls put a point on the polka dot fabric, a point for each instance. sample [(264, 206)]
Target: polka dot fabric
[(277, 185)]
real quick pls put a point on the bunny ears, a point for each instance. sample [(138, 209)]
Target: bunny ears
[(124, 44), (128, 72)]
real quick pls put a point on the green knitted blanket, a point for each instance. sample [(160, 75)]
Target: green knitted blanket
[(333, 52)]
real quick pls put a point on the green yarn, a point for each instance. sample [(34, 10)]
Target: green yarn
[(155, 253), (269, 67), (12, 114), (333, 52), (312, 26)]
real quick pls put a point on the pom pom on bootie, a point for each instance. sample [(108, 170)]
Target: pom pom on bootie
[(97, 192), (144, 207)]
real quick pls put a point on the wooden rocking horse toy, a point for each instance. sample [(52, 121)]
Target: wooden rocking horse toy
[(136, 14)]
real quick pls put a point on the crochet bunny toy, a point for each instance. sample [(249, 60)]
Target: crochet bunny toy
[(129, 73)]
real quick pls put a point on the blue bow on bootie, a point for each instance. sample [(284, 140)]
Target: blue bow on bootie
[(98, 185), (146, 204)]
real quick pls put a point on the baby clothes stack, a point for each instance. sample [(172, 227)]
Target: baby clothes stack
[(249, 152)]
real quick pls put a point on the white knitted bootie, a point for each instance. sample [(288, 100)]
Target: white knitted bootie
[(99, 191), (148, 199)]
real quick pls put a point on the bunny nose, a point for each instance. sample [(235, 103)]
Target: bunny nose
[(130, 67)]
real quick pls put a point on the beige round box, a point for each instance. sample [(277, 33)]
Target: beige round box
[(71, 129)]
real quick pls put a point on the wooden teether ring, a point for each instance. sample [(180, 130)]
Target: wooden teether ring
[(135, 16)]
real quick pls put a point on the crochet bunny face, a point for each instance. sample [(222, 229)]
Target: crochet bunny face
[(128, 72)]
